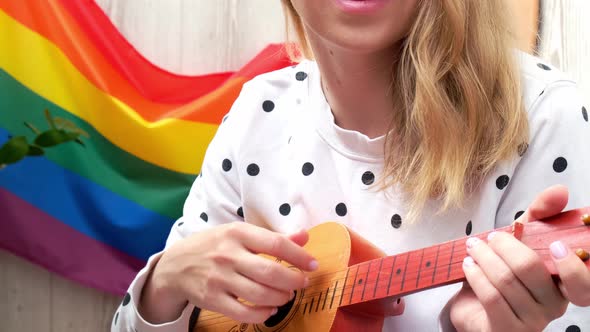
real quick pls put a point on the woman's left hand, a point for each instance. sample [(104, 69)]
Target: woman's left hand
[(509, 288)]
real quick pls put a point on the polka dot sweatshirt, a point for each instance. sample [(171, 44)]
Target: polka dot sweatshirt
[(279, 161)]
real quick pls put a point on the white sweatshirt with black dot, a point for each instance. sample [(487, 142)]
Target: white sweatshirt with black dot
[(279, 161)]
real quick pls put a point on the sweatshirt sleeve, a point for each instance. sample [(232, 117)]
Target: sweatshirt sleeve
[(214, 199)]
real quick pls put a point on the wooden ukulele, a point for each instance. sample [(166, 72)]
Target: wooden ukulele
[(356, 283)]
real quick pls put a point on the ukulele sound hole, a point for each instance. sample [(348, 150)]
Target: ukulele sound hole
[(282, 312)]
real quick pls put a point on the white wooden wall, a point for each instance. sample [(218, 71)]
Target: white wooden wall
[(196, 37)]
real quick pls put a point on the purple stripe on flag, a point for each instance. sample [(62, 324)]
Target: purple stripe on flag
[(32, 234)]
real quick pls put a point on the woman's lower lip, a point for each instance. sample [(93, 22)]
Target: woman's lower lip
[(360, 6)]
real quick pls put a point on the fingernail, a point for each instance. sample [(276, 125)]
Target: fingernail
[(313, 265), (274, 311), (558, 250), (472, 241), (468, 261), (292, 295), (491, 235), (306, 282)]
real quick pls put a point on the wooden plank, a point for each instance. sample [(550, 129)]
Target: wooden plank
[(198, 37), (25, 295), (564, 34), (36, 300)]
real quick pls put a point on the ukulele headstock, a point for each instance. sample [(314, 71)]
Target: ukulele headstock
[(570, 227)]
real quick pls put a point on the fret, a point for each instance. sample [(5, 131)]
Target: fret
[(334, 292), (405, 270), (378, 275), (354, 284), (305, 308), (420, 268), (451, 258), (311, 304), (318, 305), (344, 287), (391, 274), (326, 297), (426, 267), (435, 263), (366, 280)]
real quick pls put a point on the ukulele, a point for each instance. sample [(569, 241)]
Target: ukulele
[(356, 283)]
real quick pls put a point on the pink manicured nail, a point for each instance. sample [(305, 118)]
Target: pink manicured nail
[(313, 265), (468, 261), (558, 250), (472, 241), (491, 235), (274, 311)]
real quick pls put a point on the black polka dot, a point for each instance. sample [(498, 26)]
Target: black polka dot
[(341, 209), (469, 228), (560, 164), (268, 106), (428, 264), (360, 281), (502, 181), (253, 169), (285, 209), (518, 214), (522, 148), (300, 76), (240, 212), (116, 317), (368, 178), (573, 328), (204, 216), (399, 271), (126, 299), (307, 169), (543, 66), (584, 113), (181, 223), (396, 221), (226, 165)]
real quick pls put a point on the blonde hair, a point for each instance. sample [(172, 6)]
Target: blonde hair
[(458, 99)]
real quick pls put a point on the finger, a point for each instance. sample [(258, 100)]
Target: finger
[(503, 280), (499, 312), (262, 241), (549, 202), (528, 268), (255, 293), (234, 309), (574, 275), (300, 237), (270, 273)]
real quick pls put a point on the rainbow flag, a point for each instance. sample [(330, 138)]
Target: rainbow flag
[(95, 212)]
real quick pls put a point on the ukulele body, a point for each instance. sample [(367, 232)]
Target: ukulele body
[(316, 308)]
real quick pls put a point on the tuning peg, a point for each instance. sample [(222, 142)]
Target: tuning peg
[(583, 254), (586, 219)]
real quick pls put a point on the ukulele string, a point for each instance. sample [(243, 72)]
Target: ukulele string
[(213, 315)]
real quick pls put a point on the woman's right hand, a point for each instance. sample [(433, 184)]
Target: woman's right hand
[(213, 268)]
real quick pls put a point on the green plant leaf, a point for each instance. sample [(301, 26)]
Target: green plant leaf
[(33, 128), (51, 137), (14, 150), (68, 125), (35, 151), (50, 119)]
